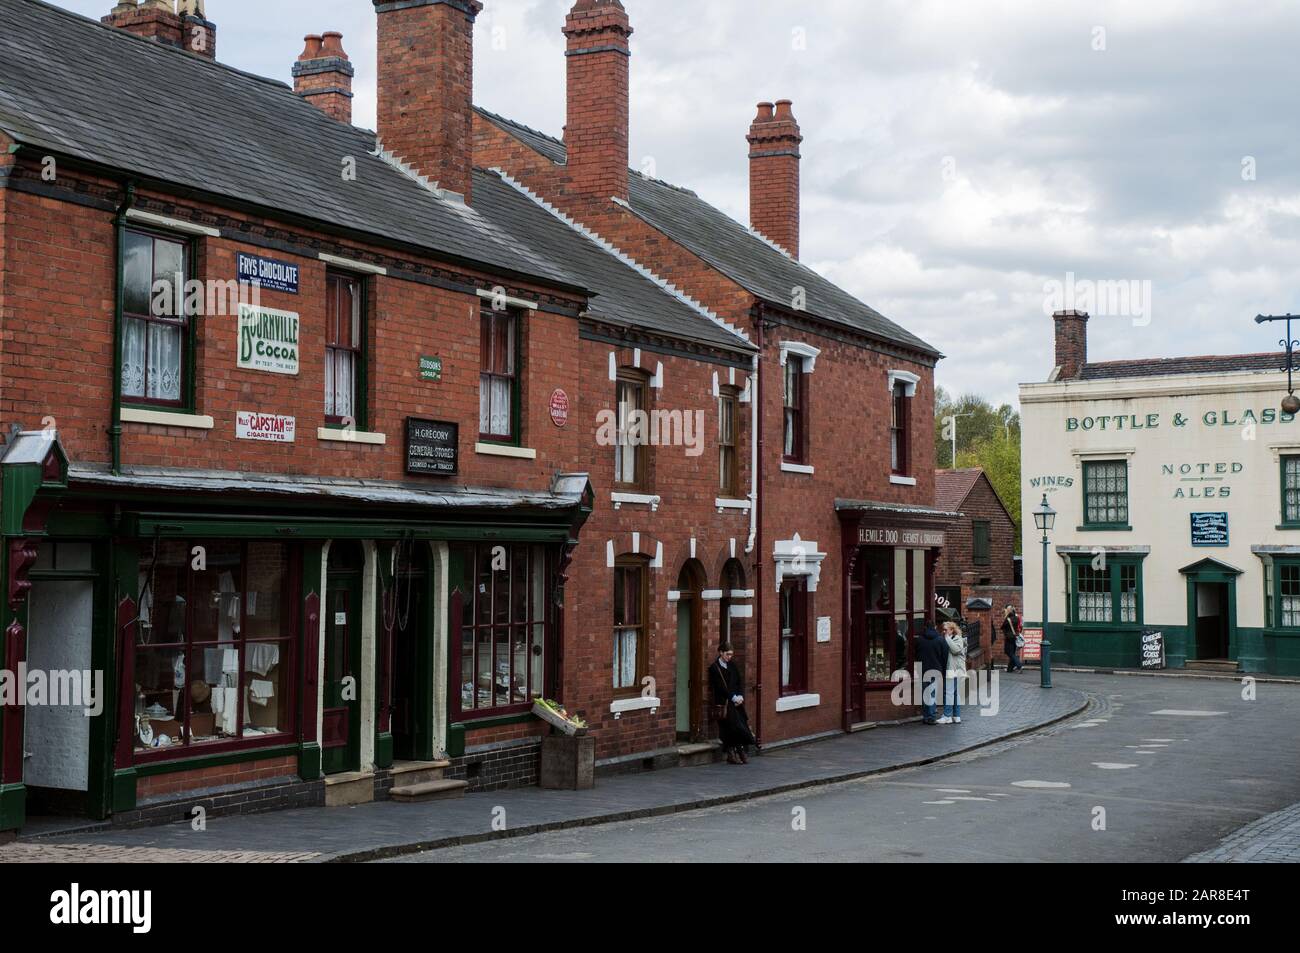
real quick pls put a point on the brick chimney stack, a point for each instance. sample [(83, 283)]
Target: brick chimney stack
[(1071, 343), (159, 20), (426, 87), (323, 76), (596, 128), (774, 139)]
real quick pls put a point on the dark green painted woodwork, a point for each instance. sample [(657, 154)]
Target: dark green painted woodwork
[(1280, 653), (124, 790), (309, 757), (13, 806), (343, 659)]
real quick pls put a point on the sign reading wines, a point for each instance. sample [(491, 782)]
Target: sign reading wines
[(432, 447), (268, 339)]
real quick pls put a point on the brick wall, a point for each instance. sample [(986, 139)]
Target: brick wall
[(991, 641), (849, 433), (958, 556), (180, 782), (62, 256)]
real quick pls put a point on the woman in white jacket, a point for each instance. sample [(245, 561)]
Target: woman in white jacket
[(954, 681)]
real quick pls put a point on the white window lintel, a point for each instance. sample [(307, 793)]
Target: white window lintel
[(907, 379), (799, 349)]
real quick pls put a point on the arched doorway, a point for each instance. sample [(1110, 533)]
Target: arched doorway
[(690, 651), (341, 680)]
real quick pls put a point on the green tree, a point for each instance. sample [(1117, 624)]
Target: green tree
[(987, 437)]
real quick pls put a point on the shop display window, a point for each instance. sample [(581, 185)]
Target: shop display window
[(214, 645)]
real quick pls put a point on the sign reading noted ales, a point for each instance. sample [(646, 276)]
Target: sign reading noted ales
[(268, 339)]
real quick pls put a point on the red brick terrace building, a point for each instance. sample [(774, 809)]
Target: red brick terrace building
[(340, 452)]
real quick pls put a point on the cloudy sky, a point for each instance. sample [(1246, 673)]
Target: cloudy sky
[(960, 155)]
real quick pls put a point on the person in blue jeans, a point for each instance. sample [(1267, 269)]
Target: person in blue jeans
[(932, 654), (954, 681)]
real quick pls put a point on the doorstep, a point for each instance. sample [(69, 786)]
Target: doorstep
[(349, 788), (693, 754)]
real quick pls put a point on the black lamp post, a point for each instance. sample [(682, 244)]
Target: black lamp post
[(1290, 403), (1045, 521)]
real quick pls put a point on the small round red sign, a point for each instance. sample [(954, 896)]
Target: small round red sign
[(559, 407)]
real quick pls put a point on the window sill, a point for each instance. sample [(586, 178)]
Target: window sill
[(640, 703), (797, 702), (638, 499), (162, 418), (743, 505), (505, 450), (897, 480), (340, 435), (796, 468), (1287, 526), (1104, 529)]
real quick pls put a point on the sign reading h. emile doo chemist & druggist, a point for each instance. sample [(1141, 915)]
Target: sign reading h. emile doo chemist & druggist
[(268, 339)]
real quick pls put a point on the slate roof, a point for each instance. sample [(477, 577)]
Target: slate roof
[(951, 487), (77, 88), (750, 261), (623, 295), (1168, 367)]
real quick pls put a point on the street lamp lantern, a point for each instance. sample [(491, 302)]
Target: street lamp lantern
[(1045, 516), (1045, 520)]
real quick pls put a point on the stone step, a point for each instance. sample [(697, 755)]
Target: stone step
[(1211, 665), (407, 773), (348, 788), (697, 753), (429, 791)]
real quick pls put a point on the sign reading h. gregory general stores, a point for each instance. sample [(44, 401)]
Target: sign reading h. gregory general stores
[(432, 447), (269, 273), (268, 339)]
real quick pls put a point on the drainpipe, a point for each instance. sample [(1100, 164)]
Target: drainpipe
[(755, 544), (119, 304)]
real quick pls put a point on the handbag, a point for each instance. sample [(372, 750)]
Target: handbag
[(1020, 641)]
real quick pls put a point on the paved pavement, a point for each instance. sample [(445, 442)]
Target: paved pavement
[(385, 829), (1274, 839), (28, 852), (1156, 769)]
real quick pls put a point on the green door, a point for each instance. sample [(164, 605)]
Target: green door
[(341, 722)]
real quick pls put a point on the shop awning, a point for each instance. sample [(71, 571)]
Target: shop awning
[(170, 502)]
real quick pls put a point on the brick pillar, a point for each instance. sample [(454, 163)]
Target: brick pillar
[(198, 34), (1071, 342), (596, 129), (774, 139), (426, 87), (323, 76)]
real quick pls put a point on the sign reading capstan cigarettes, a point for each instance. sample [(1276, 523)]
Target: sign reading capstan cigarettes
[(268, 339), (268, 428)]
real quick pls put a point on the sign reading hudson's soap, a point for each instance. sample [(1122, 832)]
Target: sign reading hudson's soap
[(268, 428), (268, 339), (432, 447)]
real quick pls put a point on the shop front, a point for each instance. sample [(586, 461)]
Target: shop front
[(223, 631), (889, 554)]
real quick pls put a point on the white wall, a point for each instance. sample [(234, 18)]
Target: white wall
[(1160, 517)]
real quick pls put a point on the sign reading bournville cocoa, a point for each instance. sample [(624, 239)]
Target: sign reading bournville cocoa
[(432, 447), (268, 340)]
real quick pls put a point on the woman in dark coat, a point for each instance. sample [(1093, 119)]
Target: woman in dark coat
[(1011, 639), (729, 706)]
